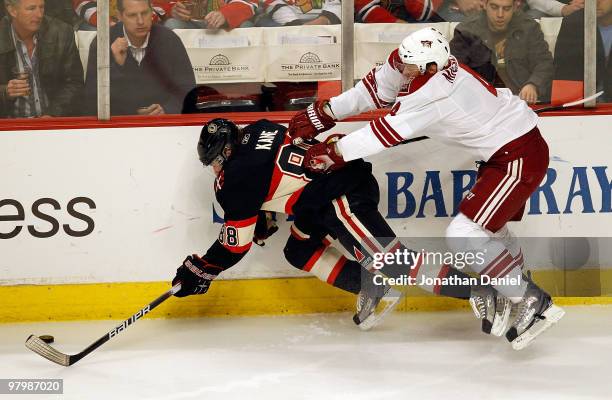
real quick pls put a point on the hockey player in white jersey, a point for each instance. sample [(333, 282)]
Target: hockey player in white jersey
[(432, 94)]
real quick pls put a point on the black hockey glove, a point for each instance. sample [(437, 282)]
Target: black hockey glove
[(195, 275), (265, 227)]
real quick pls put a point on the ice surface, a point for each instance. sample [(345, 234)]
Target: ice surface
[(438, 355)]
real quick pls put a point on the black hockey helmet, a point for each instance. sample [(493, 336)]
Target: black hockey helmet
[(217, 135)]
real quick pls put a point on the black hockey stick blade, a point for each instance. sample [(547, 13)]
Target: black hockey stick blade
[(38, 346), (570, 104)]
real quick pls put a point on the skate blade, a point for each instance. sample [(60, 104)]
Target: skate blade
[(500, 323), (551, 315), (386, 305)]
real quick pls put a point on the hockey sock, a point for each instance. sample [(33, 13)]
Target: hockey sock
[(512, 244), (494, 260), (449, 281), (499, 265), (348, 277), (330, 266), (456, 290)]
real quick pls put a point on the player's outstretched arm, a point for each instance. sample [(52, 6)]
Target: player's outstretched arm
[(232, 244), (378, 89)]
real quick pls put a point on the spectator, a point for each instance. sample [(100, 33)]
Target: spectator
[(553, 8), (508, 49), (40, 70), (150, 72), (87, 10), (460, 10), (569, 50), (214, 14), (286, 13), (308, 12), (375, 11), (59, 9), (401, 10)]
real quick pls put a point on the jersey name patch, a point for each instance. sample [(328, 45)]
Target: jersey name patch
[(219, 181), (265, 140)]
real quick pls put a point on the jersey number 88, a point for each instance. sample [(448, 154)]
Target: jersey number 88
[(228, 236)]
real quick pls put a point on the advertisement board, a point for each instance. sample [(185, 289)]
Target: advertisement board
[(128, 204)]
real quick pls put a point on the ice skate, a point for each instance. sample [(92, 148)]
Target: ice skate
[(492, 308), (374, 302), (536, 313)]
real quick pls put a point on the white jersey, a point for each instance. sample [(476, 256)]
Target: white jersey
[(455, 106)]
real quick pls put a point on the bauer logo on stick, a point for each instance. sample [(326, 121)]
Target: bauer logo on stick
[(129, 322)]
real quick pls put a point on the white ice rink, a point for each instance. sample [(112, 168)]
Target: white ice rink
[(417, 356)]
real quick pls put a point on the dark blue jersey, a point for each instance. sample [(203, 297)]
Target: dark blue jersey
[(265, 173)]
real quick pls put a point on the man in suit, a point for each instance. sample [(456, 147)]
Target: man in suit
[(150, 72)]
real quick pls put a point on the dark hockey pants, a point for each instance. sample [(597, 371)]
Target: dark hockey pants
[(353, 219)]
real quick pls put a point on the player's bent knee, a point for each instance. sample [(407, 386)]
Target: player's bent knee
[(462, 226), (297, 252), (463, 233)]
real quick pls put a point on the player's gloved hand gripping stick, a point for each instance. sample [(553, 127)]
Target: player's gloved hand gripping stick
[(195, 275)]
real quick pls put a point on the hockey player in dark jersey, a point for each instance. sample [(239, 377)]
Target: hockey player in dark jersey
[(258, 169)]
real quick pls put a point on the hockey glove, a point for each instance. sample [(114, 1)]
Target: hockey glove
[(265, 227), (195, 275), (309, 123), (324, 156)]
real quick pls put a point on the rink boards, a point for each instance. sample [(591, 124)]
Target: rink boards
[(80, 209)]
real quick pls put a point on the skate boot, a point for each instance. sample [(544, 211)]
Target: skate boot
[(536, 313), (492, 308), (374, 302)]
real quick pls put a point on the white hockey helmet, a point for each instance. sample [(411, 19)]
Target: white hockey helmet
[(425, 46)]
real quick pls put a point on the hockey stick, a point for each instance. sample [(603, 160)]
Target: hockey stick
[(38, 346), (570, 104), (538, 111)]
